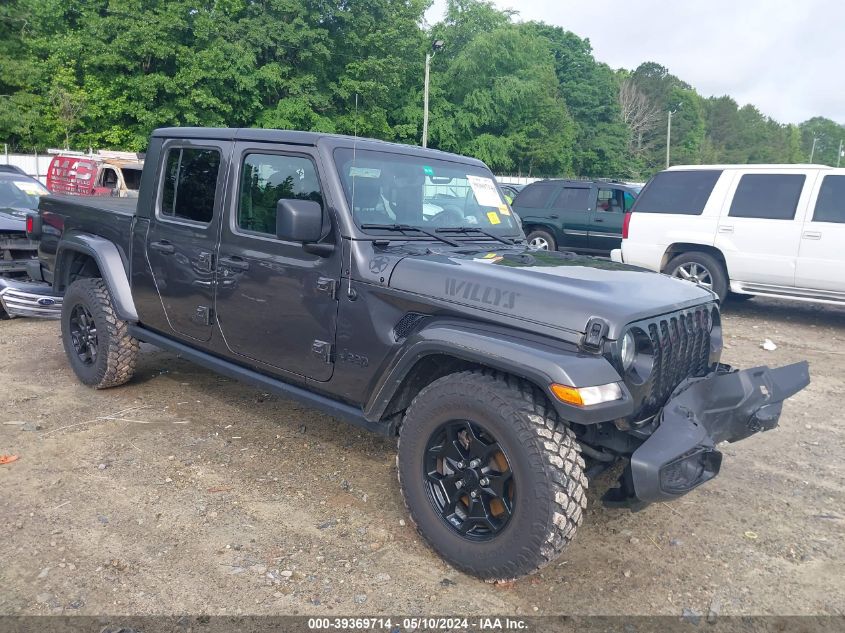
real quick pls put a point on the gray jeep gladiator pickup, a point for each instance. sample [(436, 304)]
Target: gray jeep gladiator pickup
[(392, 286)]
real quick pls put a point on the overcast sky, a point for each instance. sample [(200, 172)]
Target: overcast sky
[(785, 57)]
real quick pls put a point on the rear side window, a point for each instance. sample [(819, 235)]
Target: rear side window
[(534, 196), (190, 182), (682, 192), (268, 178), (830, 207), (769, 196), (573, 199)]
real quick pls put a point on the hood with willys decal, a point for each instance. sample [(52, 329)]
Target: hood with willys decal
[(558, 290)]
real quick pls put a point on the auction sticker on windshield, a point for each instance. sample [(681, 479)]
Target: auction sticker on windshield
[(30, 188), (364, 172), (485, 191)]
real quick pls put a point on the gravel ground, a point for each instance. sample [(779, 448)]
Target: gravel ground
[(185, 492)]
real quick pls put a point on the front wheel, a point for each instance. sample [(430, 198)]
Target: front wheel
[(702, 269), (97, 343), (491, 477), (541, 240)]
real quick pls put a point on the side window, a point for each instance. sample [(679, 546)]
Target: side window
[(609, 200), (629, 201), (109, 178), (534, 196), (190, 182), (769, 196), (830, 207), (573, 199), (268, 178)]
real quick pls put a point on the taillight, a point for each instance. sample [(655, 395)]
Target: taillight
[(625, 224), (33, 226)]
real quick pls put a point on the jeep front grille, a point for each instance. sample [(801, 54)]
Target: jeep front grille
[(681, 344)]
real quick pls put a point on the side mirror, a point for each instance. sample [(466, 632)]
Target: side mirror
[(299, 221)]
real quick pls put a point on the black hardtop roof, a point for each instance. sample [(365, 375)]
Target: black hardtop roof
[(295, 137)]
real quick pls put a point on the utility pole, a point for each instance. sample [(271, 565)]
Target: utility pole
[(435, 46), (813, 151), (669, 133), (839, 155)]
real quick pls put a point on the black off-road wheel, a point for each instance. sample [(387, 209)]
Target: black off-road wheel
[(491, 478), (97, 343)]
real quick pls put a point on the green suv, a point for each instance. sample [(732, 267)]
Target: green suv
[(575, 215)]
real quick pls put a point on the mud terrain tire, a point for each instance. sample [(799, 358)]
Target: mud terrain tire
[(115, 351), (548, 482)]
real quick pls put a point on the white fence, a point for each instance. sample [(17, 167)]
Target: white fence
[(516, 180), (36, 165)]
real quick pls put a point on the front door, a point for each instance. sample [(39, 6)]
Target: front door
[(570, 211), (606, 219), (183, 236), (821, 258), (276, 303)]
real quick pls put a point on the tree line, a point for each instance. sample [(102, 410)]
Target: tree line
[(527, 98)]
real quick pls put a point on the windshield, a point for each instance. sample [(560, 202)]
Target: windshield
[(384, 188), (17, 193)]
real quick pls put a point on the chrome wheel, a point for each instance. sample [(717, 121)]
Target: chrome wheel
[(696, 273), (539, 243)]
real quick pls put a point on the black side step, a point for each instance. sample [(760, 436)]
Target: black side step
[(277, 387)]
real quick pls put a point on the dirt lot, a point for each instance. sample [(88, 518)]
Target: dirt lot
[(184, 492)]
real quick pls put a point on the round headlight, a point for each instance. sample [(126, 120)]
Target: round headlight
[(628, 351)]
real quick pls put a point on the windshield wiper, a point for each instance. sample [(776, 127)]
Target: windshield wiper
[(408, 227), (475, 229)]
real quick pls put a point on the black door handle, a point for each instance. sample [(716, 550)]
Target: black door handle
[(163, 247), (234, 263), (554, 216), (598, 219)]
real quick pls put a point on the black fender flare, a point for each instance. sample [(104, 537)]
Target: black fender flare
[(109, 261), (540, 361)]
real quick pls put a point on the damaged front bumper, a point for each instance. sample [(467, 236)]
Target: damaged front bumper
[(724, 406)]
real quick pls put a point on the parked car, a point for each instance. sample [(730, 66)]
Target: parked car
[(510, 191), (12, 169), (104, 174), (19, 195), (305, 263), (584, 216), (773, 230)]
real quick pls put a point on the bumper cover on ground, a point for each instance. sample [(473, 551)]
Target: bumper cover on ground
[(724, 406), (29, 299)]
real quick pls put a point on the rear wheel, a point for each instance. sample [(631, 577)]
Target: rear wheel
[(702, 269), (541, 240), (491, 477), (97, 343)]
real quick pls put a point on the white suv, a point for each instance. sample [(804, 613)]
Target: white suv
[(774, 230)]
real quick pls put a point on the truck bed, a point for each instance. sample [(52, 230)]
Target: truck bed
[(87, 204), (106, 217)]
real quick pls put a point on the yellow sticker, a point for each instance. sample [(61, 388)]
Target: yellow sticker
[(503, 209), (493, 217), (489, 256)]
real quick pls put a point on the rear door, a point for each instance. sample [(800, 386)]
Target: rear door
[(532, 207), (183, 236), (570, 212), (606, 219), (821, 256), (759, 229), (276, 303)]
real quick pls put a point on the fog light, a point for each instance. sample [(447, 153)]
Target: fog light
[(587, 396), (689, 471)]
